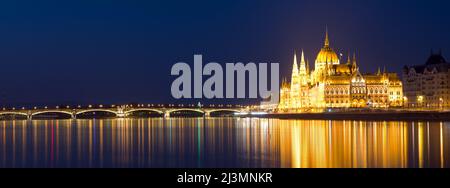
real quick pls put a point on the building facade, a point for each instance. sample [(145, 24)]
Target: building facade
[(333, 84), (428, 85)]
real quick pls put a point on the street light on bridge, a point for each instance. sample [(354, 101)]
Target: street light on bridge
[(420, 100), (405, 101)]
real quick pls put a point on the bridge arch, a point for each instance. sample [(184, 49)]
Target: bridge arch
[(222, 110), (51, 111), (96, 110), (185, 109), (145, 109), (13, 113)]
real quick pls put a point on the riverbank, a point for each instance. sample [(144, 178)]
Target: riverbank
[(377, 116)]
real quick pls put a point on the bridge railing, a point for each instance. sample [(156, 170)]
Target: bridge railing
[(119, 110)]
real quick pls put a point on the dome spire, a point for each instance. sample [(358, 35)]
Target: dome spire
[(327, 42)]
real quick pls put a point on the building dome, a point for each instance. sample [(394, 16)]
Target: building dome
[(326, 55)]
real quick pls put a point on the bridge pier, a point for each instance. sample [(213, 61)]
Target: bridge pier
[(166, 114), (29, 117), (74, 116), (121, 115), (207, 114)]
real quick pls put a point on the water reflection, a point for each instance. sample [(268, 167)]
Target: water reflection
[(223, 142)]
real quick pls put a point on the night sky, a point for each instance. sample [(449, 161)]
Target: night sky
[(115, 52)]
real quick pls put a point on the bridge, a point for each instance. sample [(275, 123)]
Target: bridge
[(119, 111)]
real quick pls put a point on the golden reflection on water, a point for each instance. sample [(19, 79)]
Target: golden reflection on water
[(223, 142), (353, 144)]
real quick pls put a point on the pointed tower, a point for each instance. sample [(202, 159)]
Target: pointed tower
[(354, 65), (385, 75), (283, 83), (303, 72), (307, 67), (303, 77), (295, 85), (294, 76), (327, 41), (302, 65), (349, 61), (284, 95)]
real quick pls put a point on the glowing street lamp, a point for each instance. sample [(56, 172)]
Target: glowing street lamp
[(420, 100), (405, 101)]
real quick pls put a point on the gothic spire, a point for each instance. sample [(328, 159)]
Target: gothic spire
[(348, 59), (302, 64), (295, 66), (307, 66), (303, 57), (327, 42)]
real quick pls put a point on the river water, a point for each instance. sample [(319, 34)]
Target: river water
[(223, 142)]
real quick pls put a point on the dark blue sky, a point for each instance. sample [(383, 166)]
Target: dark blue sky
[(55, 52)]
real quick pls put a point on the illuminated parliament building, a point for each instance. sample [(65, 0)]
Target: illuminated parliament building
[(333, 84)]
